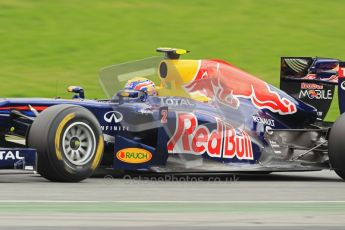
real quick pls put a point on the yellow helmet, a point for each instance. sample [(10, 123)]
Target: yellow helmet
[(142, 84)]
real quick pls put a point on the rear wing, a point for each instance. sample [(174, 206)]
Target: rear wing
[(313, 81), (341, 87)]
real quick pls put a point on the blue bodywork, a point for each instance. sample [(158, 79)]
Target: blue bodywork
[(18, 158), (142, 128)]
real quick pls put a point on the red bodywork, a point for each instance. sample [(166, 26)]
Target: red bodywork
[(226, 83)]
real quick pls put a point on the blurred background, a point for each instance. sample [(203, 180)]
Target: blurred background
[(46, 46)]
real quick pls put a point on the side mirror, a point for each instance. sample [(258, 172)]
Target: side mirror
[(78, 90)]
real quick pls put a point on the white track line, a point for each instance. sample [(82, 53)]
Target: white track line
[(178, 201)]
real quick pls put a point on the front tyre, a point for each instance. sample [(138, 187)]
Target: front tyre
[(336, 146), (69, 143)]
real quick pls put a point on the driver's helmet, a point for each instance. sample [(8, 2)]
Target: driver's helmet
[(142, 84)]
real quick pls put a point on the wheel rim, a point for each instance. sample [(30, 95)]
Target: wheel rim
[(78, 143)]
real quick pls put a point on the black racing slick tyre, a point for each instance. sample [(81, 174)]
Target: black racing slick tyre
[(69, 143), (336, 146)]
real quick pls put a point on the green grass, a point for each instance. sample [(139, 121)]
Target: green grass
[(47, 45), (110, 207)]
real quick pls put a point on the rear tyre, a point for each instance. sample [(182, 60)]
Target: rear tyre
[(336, 146), (69, 143)]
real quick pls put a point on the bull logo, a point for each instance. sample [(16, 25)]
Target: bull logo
[(226, 84)]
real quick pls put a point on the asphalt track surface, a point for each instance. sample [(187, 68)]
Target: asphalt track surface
[(305, 200)]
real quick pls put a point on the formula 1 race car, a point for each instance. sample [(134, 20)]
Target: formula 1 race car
[(208, 116)]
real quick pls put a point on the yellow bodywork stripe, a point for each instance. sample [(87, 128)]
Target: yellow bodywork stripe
[(58, 134), (98, 153)]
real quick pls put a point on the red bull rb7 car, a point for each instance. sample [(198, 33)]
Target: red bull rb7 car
[(199, 116)]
